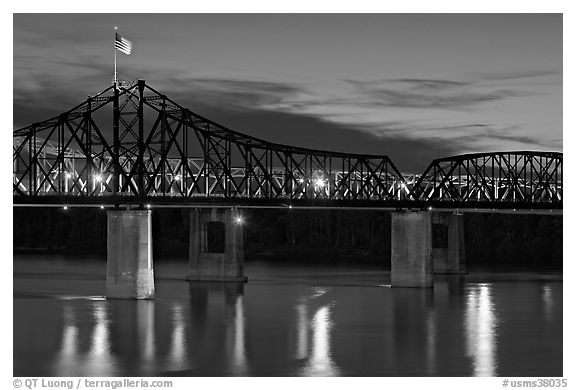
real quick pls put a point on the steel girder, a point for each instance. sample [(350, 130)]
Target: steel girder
[(507, 179), (154, 149)]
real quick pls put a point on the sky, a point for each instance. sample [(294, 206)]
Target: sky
[(411, 86)]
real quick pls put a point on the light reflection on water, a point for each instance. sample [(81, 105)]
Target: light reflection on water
[(236, 332), (481, 331), (177, 359), (547, 300), (98, 360), (315, 333), (320, 362), (277, 325), (145, 313), (431, 342), (302, 331), (65, 361)]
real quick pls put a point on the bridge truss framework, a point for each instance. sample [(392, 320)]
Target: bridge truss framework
[(159, 152)]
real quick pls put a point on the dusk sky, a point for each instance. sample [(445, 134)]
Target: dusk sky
[(414, 87)]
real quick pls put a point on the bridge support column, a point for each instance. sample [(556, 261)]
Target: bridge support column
[(129, 268), (448, 252), (412, 249), (216, 251)]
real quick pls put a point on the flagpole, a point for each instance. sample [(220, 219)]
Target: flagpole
[(115, 74)]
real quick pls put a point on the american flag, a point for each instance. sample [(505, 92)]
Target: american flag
[(123, 44)]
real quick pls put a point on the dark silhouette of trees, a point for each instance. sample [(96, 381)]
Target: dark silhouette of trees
[(300, 235)]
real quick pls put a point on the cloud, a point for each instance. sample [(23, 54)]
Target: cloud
[(482, 137), (468, 137), (403, 99), (277, 112), (471, 141), (517, 75), (314, 132), (431, 94), (294, 129), (349, 118), (55, 32), (90, 62), (43, 97), (234, 93), (430, 83)]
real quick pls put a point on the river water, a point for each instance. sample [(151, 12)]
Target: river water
[(288, 320)]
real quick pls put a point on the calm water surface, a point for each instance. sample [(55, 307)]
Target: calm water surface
[(287, 320)]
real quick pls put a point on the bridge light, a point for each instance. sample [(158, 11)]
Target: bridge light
[(102, 207), (98, 177), (68, 175), (178, 177), (300, 180), (65, 207), (148, 206), (403, 186), (319, 183), (290, 206), (239, 220), (429, 207)]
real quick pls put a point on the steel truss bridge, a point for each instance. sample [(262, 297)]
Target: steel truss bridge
[(130, 144)]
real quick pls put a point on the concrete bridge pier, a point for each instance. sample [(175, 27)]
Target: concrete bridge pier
[(129, 267), (448, 252), (216, 251), (412, 249)]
